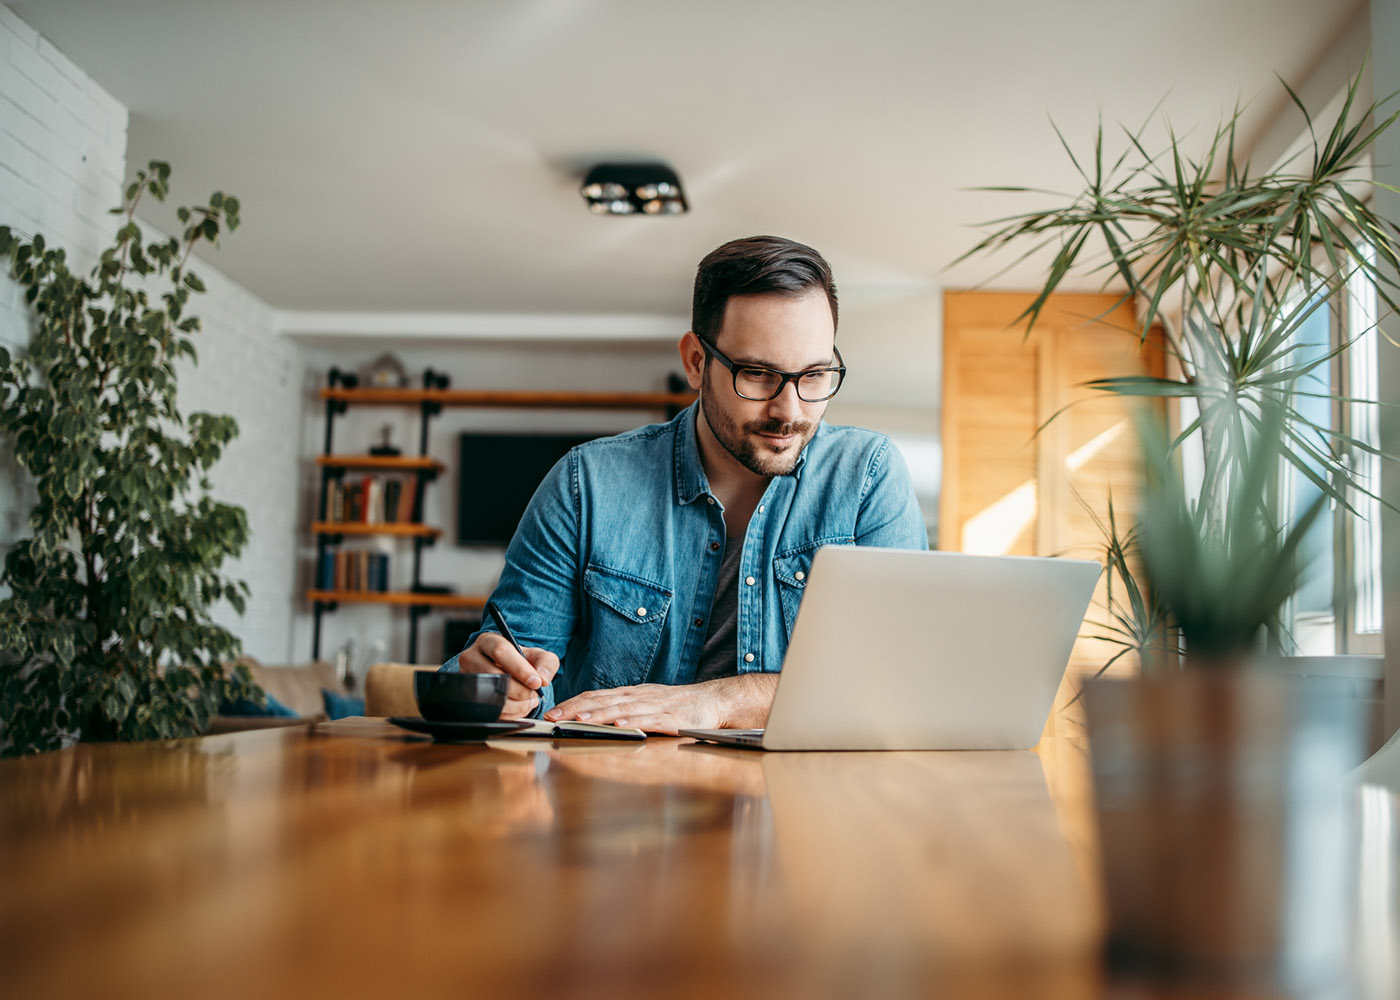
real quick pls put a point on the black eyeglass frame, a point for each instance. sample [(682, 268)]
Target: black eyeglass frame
[(784, 377)]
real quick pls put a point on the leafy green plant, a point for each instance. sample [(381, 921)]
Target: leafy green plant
[(1247, 259), (106, 632), (1223, 587), (1229, 266), (1137, 623)]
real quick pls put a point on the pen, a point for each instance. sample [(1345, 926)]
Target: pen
[(495, 612)]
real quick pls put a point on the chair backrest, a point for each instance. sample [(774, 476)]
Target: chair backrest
[(389, 688)]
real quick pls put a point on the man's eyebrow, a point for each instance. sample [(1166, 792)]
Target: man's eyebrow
[(756, 363)]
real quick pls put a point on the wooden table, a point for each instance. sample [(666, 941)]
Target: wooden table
[(350, 860)]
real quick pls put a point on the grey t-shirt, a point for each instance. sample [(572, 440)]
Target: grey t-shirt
[(718, 657)]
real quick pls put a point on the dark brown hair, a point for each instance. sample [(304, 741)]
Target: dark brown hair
[(755, 265)]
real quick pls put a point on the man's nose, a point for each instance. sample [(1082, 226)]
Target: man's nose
[(786, 405)]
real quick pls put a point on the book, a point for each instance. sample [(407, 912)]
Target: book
[(392, 489), (406, 498), (379, 571), (325, 571), (544, 729), (335, 501), (374, 500)]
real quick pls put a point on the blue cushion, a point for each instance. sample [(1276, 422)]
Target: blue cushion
[(339, 705), (249, 707)]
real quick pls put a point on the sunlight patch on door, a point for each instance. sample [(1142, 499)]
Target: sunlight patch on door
[(1086, 452), (993, 530)]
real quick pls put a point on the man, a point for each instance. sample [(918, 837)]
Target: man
[(664, 566)]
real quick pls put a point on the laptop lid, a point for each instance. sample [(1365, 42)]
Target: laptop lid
[(917, 650)]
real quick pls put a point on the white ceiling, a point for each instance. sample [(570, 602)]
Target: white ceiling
[(425, 154)]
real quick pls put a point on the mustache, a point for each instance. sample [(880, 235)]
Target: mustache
[(777, 427)]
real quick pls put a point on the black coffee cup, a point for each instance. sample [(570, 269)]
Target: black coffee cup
[(458, 697)]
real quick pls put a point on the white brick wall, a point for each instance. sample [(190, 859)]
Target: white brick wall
[(62, 144), (248, 370), (62, 166)]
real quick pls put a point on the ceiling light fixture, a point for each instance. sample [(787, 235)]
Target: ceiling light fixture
[(633, 189)]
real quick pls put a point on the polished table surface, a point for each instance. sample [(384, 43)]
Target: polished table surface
[(352, 860)]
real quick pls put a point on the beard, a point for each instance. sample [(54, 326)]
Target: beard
[(742, 442)]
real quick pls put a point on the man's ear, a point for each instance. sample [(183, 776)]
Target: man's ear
[(693, 358)]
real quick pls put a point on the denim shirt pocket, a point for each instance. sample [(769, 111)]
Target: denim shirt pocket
[(792, 570), (791, 573), (627, 621)]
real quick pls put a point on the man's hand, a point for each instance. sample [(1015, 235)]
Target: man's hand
[(492, 654), (730, 702)]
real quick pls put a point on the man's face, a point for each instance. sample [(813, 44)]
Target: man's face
[(774, 331)]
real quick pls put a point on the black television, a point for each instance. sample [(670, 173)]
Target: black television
[(497, 475)]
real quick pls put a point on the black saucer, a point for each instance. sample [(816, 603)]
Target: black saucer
[(456, 732)]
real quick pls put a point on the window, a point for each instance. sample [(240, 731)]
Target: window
[(1337, 607), (1362, 631)]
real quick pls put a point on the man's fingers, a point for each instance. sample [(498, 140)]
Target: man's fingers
[(518, 708), (580, 706), (618, 711), (592, 701), (546, 664), (504, 659)]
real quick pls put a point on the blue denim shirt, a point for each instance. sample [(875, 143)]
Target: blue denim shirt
[(614, 565)]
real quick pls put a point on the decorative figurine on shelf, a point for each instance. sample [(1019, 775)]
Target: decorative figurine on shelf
[(385, 372), (386, 444)]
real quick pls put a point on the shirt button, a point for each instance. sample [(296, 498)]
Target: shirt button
[(750, 581), (748, 657), (799, 575), (714, 546), (760, 508), (710, 500), (641, 612), (699, 622)]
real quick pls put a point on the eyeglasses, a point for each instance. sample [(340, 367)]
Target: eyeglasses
[(758, 383)]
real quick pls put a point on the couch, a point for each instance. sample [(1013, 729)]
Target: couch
[(298, 687)]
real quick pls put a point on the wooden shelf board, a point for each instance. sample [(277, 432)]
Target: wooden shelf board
[(386, 528), (398, 597), (400, 463), (511, 398)]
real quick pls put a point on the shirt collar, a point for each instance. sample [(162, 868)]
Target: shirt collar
[(691, 483)]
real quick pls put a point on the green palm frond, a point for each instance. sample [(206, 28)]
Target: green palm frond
[(1231, 267)]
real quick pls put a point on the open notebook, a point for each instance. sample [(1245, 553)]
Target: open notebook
[(545, 729)]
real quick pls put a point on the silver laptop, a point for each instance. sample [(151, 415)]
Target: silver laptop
[(914, 650)]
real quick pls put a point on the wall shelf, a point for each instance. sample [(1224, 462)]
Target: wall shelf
[(423, 468), (508, 399), (397, 529), (387, 463), (398, 597)]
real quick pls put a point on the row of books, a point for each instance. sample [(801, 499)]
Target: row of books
[(371, 500), (353, 569)]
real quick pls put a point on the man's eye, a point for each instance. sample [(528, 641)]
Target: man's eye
[(757, 374)]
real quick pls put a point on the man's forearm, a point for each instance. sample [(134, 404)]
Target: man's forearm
[(746, 699)]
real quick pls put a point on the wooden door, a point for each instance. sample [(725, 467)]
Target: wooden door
[(1008, 490)]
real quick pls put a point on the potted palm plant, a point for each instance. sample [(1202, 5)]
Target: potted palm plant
[(1217, 782)]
